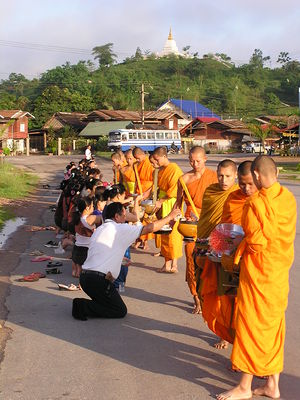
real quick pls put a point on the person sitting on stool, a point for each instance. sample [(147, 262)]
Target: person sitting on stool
[(107, 247)]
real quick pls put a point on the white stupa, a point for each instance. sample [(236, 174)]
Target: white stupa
[(170, 47)]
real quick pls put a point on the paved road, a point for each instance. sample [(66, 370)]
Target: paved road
[(159, 351)]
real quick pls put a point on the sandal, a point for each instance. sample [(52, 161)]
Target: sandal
[(36, 253), (70, 287), (41, 258), (54, 264), (28, 278), (53, 271)]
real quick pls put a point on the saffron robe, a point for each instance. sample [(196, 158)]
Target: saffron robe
[(211, 214), (269, 222), (171, 244), (196, 190), (219, 311), (128, 179), (145, 171)]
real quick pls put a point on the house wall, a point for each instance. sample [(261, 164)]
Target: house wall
[(19, 129)]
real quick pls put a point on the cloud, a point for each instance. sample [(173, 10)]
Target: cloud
[(232, 27)]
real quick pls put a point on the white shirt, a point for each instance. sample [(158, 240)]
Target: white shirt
[(88, 154), (108, 245)]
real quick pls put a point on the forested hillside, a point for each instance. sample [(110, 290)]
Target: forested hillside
[(245, 91)]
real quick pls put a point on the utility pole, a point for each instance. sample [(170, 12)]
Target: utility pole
[(299, 122), (143, 105)]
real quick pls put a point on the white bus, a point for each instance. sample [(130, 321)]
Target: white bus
[(148, 140)]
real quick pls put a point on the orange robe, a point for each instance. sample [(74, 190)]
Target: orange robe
[(145, 171), (171, 244), (128, 179), (269, 222), (211, 214), (196, 190), (218, 311)]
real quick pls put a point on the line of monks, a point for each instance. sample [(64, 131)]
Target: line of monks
[(253, 317)]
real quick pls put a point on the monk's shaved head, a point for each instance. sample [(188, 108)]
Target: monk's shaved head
[(264, 165), (264, 172), (137, 151), (160, 151), (226, 164), (197, 150), (245, 168), (116, 156)]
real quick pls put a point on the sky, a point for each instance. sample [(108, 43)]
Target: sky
[(36, 35)]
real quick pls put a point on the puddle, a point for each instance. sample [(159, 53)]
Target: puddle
[(10, 227)]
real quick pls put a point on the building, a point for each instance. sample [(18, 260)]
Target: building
[(215, 134), (101, 122), (14, 129), (189, 109), (170, 47), (61, 121)]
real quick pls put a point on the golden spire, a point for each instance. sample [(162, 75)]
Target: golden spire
[(170, 37)]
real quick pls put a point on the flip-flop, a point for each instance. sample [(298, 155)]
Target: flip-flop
[(53, 271), (41, 258), (70, 287), (38, 275), (36, 253), (54, 264), (28, 278)]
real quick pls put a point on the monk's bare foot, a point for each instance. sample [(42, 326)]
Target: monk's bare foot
[(157, 254), (267, 391), (236, 393), (164, 270), (174, 270), (197, 306), (137, 245), (222, 344)]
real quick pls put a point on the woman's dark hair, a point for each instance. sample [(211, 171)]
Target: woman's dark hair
[(98, 197), (116, 189), (82, 204), (112, 209), (91, 183)]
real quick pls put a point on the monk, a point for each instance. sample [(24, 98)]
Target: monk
[(196, 180), (143, 169), (117, 165), (127, 173), (269, 222), (222, 308), (168, 175), (212, 209), (157, 236)]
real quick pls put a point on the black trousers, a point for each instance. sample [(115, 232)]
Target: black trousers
[(105, 299)]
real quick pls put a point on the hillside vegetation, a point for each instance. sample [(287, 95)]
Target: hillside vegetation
[(243, 92)]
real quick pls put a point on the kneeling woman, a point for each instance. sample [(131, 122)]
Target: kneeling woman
[(83, 233)]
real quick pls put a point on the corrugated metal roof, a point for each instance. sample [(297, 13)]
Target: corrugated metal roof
[(8, 114), (96, 129), (61, 119), (193, 108), (126, 115)]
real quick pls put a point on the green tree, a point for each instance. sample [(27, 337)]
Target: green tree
[(104, 55), (261, 132), (257, 60), (283, 58)]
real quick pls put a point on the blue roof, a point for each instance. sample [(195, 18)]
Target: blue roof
[(193, 108)]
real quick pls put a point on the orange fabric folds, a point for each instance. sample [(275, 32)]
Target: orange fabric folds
[(145, 171), (269, 222), (197, 188), (233, 207), (171, 244), (212, 208)]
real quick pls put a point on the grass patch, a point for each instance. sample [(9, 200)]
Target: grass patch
[(105, 154), (15, 183), (5, 214)]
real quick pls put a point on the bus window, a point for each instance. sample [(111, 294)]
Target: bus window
[(132, 135), (124, 137), (175, 135), (114, 136), (160, 135), (142, 135), (168, 135), (150, 135)]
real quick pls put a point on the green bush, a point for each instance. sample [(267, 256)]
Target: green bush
[(101, 144), (298, 167), (6, 151)]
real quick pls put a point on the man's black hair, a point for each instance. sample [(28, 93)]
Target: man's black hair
[(112, 209)]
